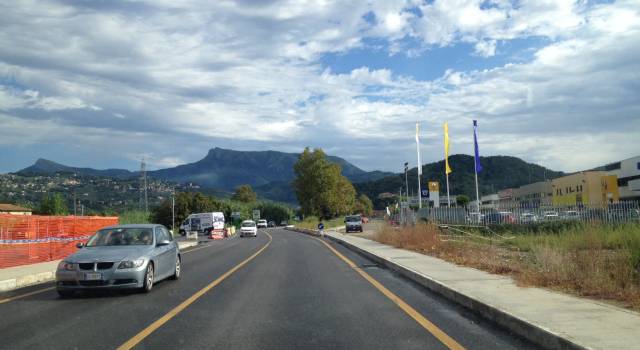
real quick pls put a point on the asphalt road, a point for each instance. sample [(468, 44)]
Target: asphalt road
[(295, 293)]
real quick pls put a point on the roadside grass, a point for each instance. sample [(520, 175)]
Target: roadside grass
[(597, 261), (311, 223), (134, 217)]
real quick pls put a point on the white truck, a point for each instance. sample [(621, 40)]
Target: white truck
[(202, 223)]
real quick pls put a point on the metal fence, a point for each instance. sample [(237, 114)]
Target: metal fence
[(619, 212)]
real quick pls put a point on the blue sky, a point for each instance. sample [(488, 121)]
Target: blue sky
[(102, 84)]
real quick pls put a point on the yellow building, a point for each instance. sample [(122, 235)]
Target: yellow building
[(590, 188)]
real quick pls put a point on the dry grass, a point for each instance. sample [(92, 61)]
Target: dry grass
[(596, 261)]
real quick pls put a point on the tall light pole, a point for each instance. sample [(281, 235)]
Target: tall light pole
[(406, 178), (173, 209), (419, 164)]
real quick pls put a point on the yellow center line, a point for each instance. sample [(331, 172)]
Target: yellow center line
[(136, 339), (423, 321), (25, 295)]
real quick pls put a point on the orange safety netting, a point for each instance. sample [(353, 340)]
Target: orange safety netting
[(28, 239)]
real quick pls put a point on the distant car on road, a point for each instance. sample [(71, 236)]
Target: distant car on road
[(262, 224), (571, 215), (475, 218), (550, 215), (284, 223), (528, 218), (202, 223), (353, 223), (120, 257), (248, 228), (507, 217), (271, 224)]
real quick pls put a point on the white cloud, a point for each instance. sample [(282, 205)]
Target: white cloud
[(174, 78), (486, 48)]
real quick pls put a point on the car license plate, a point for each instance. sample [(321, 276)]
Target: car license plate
[(92, 276)]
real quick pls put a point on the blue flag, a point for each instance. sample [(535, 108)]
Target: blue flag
[(475, 145)]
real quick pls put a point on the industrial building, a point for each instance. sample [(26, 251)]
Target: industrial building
[(628, 173), (535, 195), (591, 188)]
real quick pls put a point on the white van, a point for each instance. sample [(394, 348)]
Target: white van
[(202, 222)]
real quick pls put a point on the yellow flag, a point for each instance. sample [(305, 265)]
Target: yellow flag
[(446, 149)]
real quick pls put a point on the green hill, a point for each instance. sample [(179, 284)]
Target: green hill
[(499, 172)]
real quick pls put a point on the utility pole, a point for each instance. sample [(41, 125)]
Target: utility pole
[(143, 186), (173, 209), (74, 204), (406, 178), (419, 164)]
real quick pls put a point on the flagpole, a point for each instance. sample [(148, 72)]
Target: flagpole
[(448, 199), (419, 164), (476, 159), (419, 192), (447, 170), (475, 168)]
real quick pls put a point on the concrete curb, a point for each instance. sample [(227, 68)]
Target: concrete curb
[(532, 332), (186, 244), (27, 280)]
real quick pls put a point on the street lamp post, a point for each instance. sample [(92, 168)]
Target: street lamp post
[(173, 209), (406, 178)]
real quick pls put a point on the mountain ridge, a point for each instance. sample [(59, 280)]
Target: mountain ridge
[(499, 173), (222, 169)]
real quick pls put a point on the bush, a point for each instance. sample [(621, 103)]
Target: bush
[(135, 217)]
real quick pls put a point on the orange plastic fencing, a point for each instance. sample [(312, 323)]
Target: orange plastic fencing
[(29, 239)]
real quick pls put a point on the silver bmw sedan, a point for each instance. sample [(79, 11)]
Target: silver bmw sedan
[(120, 257)]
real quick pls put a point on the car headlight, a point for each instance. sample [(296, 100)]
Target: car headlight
[(67, 266), (130, 264)]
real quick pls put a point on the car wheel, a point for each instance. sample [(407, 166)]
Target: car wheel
[(65, 293), (148, 279), (178, 270)]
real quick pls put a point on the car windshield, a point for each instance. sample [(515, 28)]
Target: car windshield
[(121, 236), (248, 224), (353, 219)]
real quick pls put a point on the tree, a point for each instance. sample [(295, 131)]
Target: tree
[(53, 205), (463, 200), (320, 187), (274, 211), (244, 193), (187, 203), (363, 205)]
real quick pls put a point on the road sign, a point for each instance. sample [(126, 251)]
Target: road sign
[(235, 215), (320, 226), (256, 214), (425, 193)]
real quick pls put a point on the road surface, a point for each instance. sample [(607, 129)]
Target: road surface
[(281, 290)]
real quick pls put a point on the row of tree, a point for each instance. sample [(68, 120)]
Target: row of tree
[(323, 191), (187, 203)]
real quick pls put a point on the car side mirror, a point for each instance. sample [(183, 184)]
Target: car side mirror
[(79, 245), (163, 243), (171, 232)]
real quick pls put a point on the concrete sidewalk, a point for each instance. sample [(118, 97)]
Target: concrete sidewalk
[(26, 275), (549, 319)]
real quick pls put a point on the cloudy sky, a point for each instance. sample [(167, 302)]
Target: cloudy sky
[(103, 83)]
